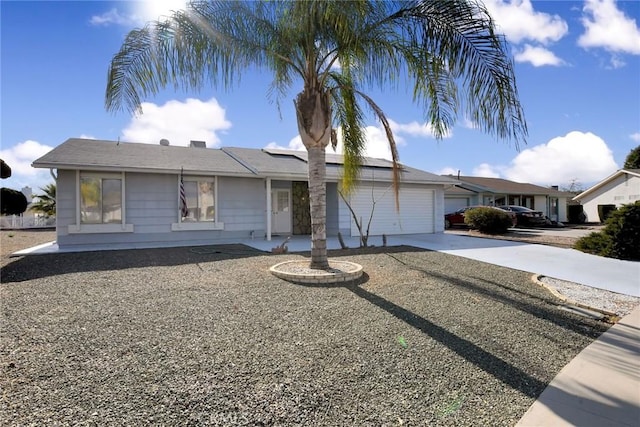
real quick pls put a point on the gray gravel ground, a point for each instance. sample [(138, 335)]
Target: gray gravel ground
[(209, 337)]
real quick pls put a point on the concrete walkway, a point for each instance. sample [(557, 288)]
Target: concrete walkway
[(599, 387)]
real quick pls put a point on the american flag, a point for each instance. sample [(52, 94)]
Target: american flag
[(183, 198)]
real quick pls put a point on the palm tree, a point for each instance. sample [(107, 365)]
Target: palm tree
[(446, 50), (46, 202)]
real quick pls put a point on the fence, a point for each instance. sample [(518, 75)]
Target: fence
[(19, 221)]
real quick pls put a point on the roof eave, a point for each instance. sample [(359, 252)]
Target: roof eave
[(602, 183), (104, 168)]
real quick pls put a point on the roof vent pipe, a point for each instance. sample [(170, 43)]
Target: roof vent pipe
[(164, 142)]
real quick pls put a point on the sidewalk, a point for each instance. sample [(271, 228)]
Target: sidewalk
[(599, 387)]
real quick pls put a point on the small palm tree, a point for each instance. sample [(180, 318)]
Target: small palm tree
[(46, 202), (446, 50)]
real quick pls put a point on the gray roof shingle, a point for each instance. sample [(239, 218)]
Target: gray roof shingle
[(87, 154), (499, 185), (90, 154)]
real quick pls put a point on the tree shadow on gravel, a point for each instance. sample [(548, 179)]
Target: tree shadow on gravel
[(497, 367), (48, 265), (545, 309)]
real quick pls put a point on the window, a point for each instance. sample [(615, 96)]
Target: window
[(100, 203), (100, 199), (200, 196)]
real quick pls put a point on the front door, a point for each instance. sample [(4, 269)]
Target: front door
[(280, 211)]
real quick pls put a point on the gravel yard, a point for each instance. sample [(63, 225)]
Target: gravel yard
[(207, 336)]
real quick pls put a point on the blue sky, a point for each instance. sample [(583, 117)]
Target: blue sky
[(577, 68)]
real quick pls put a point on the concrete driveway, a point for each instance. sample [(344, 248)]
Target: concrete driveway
[(565, 264)]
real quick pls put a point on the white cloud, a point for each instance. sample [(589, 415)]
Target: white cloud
[(519, 22), (19, 158), (179, 122), (294, 144), (580, 155), (537, 56), (635, 136), (114, 17), (486, 170), (609, 28), (85, 136), (415, 129), (469, 124)]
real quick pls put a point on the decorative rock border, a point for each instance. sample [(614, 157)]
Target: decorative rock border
[(608, 316), (298, 271)]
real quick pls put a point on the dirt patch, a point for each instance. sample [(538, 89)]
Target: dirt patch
[(16, 240)]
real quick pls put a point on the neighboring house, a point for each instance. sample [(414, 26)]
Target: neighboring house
[(122, 195), (496, 191), (620, 188)]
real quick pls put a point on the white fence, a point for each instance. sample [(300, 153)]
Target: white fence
[(19, 221)]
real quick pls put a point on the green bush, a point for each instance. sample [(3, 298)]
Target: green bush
[(595, 243), (620, 237), (488, 220)]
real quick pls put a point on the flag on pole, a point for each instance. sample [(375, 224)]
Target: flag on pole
[(183, 197)]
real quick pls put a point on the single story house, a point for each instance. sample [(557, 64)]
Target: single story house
[(128, 195), (473, 190), (619, 188)]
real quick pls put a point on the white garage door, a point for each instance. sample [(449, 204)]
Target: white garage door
[(416, 213), (452, 204)]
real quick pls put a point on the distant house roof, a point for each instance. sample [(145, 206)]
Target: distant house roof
[(89, 154), (613, 176), (503, 186)]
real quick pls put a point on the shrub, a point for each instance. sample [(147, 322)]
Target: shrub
[(595, 243), (620, 237), (488, 220)]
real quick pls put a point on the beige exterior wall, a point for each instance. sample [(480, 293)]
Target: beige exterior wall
[(621, 191)]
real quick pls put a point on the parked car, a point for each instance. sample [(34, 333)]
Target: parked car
[(526, 217), (457, 217)]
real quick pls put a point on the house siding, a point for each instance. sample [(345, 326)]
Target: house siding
[(151, 206), (439, 208), (65, 204), (344, 217), (333, 209), (623, 190)]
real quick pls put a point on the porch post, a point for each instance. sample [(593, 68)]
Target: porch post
[(268, 186)]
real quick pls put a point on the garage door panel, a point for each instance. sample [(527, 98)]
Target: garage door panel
[(415, 215)]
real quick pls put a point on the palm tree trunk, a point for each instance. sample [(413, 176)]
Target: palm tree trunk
[(318, 207), (313, 112)]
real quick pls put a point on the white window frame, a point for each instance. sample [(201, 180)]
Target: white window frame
[(198, 225), (80, 228)]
